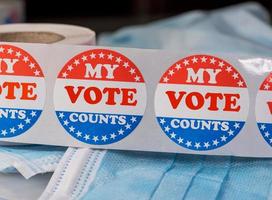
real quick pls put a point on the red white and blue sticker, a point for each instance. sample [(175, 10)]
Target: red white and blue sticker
[(22, 91), (263, 109), (100, 96), (201, 102)]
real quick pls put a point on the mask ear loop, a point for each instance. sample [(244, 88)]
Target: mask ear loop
[(75, 173)]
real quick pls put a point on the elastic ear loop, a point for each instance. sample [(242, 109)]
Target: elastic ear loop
[(75, 165)]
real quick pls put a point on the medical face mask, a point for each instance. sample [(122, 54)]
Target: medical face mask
[(30, 160)]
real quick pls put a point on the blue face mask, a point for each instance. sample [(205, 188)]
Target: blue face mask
[(30, 160)]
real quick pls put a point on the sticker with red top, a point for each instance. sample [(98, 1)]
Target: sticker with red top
[(100, 96), (201, 102), (263, 109), (22, 91)]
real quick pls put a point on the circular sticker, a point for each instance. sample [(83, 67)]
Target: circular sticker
[(100, 96), (22, 91), (201, 102), (263, 109)]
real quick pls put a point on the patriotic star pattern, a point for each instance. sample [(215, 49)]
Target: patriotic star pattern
[(263, 109), (22, 91), (184, 110), (105, 121)]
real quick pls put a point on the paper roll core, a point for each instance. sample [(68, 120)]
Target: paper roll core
[(31, 37)]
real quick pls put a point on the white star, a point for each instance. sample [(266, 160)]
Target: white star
[(212, 61), (110, 56), (229, 69), (262, 127), (230, 132), (171, 72), (137, 78), (223, 138), (4, 132), (162, 121), (195, 60), (186, 62), (84, 58), (76, 62), (133, 119), (128, 126), (180, 140), (132, 71), (206, 145), (2, 50), (71, 129), (92, 56), (270, 140), (27, 121), (266, 134), (61, 115), (12, 130), (215, 142), (20, 126), (235, 75), (32, 65), (166, 129), (188, 143), (221, 64), (10, 51), (178, 66), (121, 132), (270, 80), (65, 123), (203, 59), (95, 138), (87, 137), (118, 59), (112, 136), (165, 79), (64, 75), (240, 83), (26, 59), (33, 113), (37, 73), (266, 86), (18, 54), (173, 135), (101, 55), (197, 145), (70, 68), (126, 65), (104, 138), (79, 134), (236, 125)]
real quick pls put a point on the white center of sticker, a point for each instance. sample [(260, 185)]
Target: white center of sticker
[(100, 96), (201, 102)]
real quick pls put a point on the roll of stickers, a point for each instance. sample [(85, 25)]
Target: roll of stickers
[(12, 11), (45, 33), (136, 99)]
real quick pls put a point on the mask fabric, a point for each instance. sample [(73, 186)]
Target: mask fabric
[(29, 160)]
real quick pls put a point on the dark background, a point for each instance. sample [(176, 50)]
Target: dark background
[(106, 15)]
